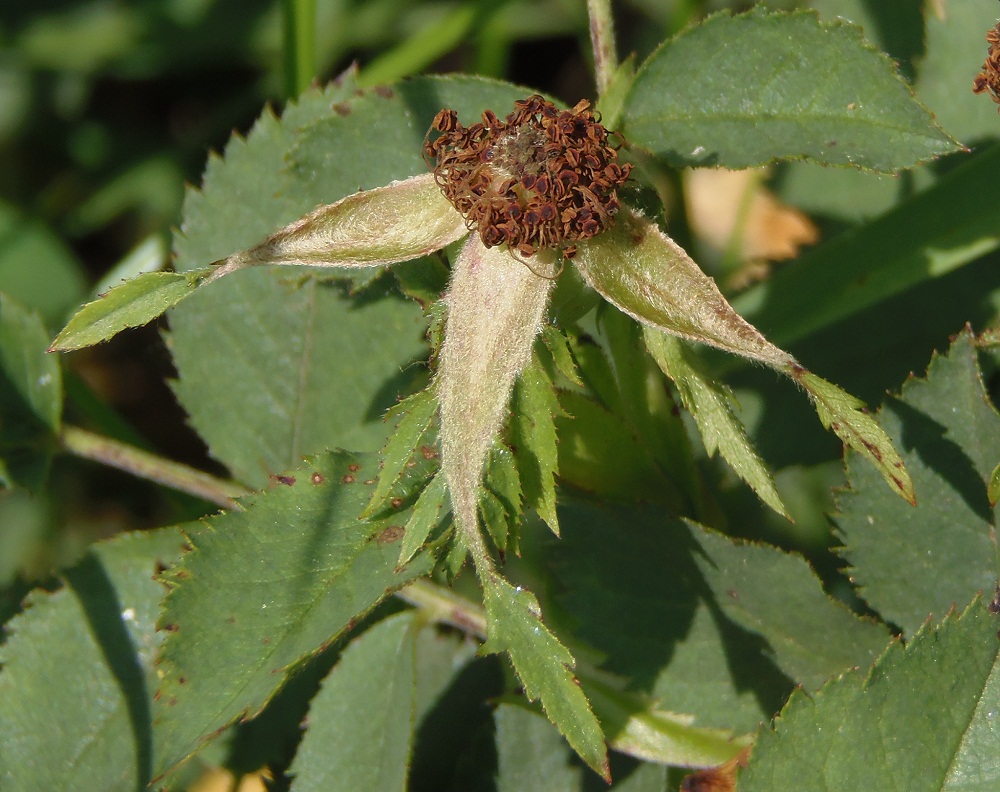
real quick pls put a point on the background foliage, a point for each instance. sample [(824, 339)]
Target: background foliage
[(692, 609)]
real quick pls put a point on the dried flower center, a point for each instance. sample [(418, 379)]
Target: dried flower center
[(989, 78), (542, 178)]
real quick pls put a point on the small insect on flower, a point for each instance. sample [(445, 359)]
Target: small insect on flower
[(542, 178), (988, 80)]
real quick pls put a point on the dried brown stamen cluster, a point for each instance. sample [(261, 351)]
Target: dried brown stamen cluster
[(542, 178), (988, 80)]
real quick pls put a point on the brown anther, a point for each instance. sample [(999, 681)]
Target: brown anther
[(542, 178), (988, 81)]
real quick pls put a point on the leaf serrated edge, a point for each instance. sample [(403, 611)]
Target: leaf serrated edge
[(763, 11)]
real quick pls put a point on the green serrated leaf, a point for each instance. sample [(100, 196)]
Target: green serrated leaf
[(914, 562), (559, 347), (598, 453), (411, 419), (737, 91), (294, 365), (132, 304), (543, 665), (777, 596), (263, 589), (628, 583), (362, 722), (496, 519), (923, 720), (711, 405), (456, 556), (425, 516), (97, 637), (504, 496), (31, 397), (530, 754), (648, 407), (533, 436), (645, 274), (424, 280), (847, 417)]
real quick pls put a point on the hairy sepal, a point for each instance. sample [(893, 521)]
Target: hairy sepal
[(495, 308), (401, 221), (645, 274)]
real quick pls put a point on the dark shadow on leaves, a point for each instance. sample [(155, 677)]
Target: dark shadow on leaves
[(925, 437), (99, 600), (451, 730)]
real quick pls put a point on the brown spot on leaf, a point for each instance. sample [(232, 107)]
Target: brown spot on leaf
[(873, 449), (181, 680), (354, 467), (391, 534), (369, 482), (288, 481), (428, 452), (396, 502), (317, 478), (994, 606), (342, 109), (384, 91), (348, 479), (733, 594)]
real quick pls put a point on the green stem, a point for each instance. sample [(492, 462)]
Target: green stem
[(300, 45), (422, 48), (151, 467), (444, 606), (602, 38)]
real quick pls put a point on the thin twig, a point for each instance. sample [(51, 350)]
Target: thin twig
[(444, 606), (300, 45), (151, 467), (438, 603), (602, 38)]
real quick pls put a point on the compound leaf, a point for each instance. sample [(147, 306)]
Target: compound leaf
[(543, 665), (131, 304)]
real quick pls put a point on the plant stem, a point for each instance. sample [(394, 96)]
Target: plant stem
[(422, 48), (151, 467), (300, 45), (444, 606), (602, 38)]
